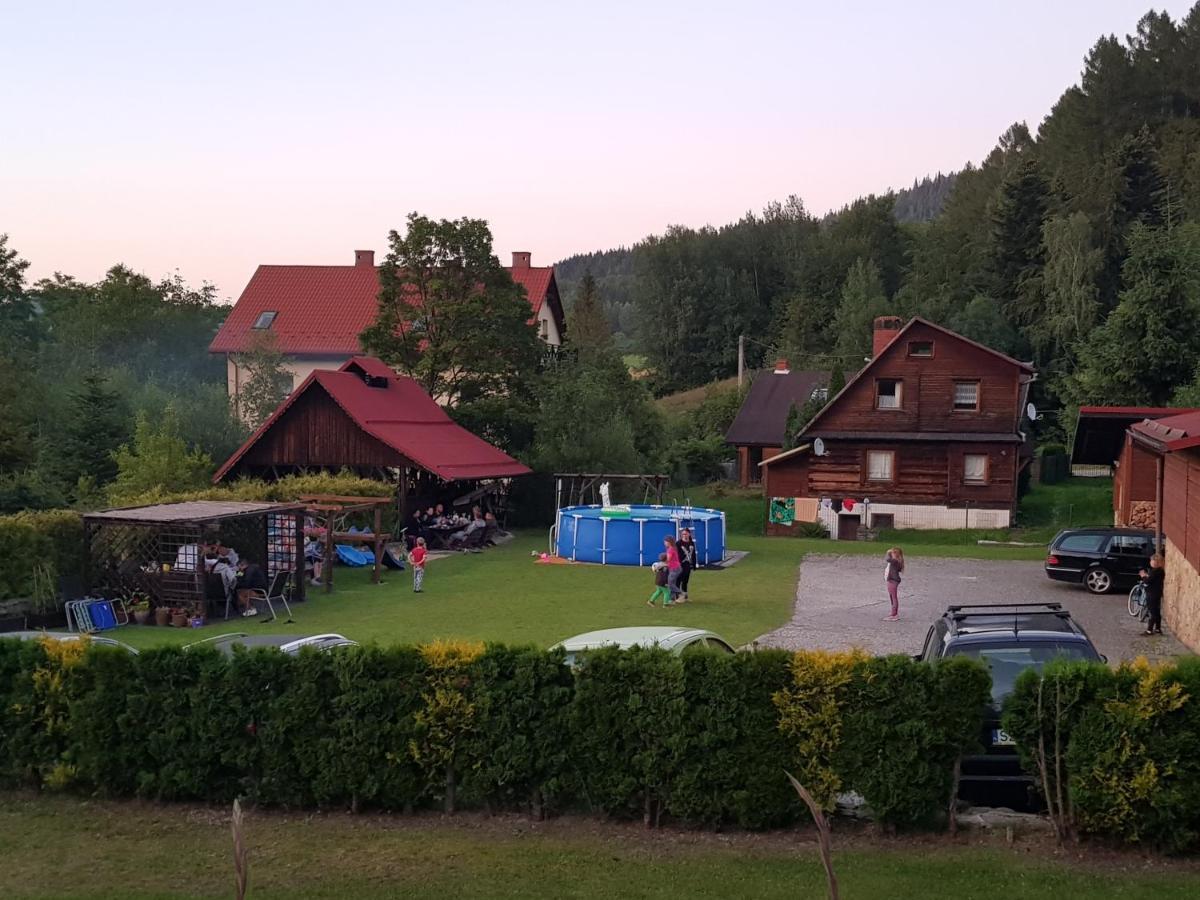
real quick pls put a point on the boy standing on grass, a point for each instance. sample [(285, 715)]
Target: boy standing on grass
[(660, 582), (417, 556)]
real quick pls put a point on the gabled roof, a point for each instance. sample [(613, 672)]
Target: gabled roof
[(1172, 433), (762, 419), (321, 310), (400, 415), (1023, 366)]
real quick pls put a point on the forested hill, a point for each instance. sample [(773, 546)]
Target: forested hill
[(613, 269), (1076, 245)]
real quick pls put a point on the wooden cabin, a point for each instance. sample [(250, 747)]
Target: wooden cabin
[(367, 419), (1159, 471), (926, 435), (758, 430)]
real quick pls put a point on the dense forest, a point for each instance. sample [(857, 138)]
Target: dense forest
[(1075, 246)]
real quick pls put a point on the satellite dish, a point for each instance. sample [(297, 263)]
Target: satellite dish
[(1031, 412), (818, 447)]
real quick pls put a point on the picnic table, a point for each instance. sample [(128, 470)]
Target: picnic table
[(440, 534)]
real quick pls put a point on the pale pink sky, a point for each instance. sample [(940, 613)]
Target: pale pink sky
[(231, 134)]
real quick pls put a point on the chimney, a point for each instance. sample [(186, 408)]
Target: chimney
[(364, 257), (781, 367), (886, 328), (522, 259)]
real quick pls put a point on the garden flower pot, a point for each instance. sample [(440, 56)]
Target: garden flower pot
[(141, 616), (179, 620), (162, 616)]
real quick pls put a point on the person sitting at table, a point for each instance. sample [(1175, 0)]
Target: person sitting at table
[(314, 554), (439, 516), (250, 577), (477, 522), (227, 553), (416, 529), (222, 568)]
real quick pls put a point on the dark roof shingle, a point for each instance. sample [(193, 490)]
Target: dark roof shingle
[(763, 417)]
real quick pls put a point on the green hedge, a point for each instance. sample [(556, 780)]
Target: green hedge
[(638, 734), (1122, 742)]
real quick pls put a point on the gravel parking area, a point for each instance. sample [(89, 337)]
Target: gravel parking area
[(841, 603)]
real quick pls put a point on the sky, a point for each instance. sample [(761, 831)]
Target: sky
[(206, 139)]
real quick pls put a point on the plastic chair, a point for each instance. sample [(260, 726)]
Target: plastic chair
[(277, 591)]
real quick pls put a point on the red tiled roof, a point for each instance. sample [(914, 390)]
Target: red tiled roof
[(402, 416), (1171, 433), (1148, 412), (321, 310)]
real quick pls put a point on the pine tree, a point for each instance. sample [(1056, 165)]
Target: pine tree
[(1019, 214), (1150, 343), (98, 424), (863, 299), (837, 379), (589, 327)]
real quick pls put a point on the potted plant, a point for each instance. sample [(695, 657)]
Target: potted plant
[(179, 618), (162, 615), (138, 605)]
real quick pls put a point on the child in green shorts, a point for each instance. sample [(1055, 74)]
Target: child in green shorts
[(660, 582)]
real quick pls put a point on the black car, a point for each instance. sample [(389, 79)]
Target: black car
[(1008, 639), (1099, 558)]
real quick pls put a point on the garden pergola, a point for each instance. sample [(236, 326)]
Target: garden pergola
[(157, 549)]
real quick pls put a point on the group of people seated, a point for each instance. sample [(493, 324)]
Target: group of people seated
[(433, 524), (225, 568)]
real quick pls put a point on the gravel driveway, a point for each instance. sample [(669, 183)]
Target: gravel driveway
[(841, 602)]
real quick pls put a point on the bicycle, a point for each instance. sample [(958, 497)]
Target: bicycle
[(1137, 602)]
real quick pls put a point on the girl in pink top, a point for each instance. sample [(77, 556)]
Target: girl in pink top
[(674, 567)]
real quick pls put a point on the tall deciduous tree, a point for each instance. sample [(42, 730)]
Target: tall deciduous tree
[(268, 382), (158, 459), (1072, 307), (863, 299), (450, 316)]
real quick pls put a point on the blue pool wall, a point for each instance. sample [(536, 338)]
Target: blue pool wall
[(583, 535)]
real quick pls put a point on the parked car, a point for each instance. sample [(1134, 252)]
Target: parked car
[(286, 643), (97, 639), (670, 637), (1009, 639), (1099, 558)]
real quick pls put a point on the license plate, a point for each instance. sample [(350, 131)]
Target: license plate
[(1000, 738)]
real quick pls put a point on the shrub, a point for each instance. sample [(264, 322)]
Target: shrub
[(627, 724), (725, 775), (445, 724), (812, 710), (904, 727)]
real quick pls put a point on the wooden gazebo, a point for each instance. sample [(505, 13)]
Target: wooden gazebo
[(157, 549)]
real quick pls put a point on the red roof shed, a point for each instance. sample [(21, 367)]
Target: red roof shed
[(366, 417)]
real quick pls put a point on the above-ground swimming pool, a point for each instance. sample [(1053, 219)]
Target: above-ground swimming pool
[(633, 535)]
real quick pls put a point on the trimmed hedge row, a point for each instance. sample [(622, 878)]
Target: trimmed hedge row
[(1115, 750), (702, 738)]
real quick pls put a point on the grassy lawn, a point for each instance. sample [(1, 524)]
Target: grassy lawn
[(67, 848), (503, 595)]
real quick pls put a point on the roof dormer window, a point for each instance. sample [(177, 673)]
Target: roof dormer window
[(920, 349), (264, 320)]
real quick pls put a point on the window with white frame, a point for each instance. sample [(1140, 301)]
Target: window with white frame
[(888, 393), (975, 468), (881, 465), (966, 396)]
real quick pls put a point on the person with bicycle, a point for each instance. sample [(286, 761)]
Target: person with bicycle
[(1153, 579)]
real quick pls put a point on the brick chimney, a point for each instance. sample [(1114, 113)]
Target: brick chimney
[(522, 259), (364, 257), (781, 367), (886, 328)]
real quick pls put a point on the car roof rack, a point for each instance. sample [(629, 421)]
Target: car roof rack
[(998, 606)]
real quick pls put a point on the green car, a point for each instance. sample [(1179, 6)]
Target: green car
[(671, 638)]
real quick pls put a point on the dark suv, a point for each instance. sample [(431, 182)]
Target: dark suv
[(1099, 558), (1008, 639)]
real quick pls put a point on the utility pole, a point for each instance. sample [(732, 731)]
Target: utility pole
[(741, 358)]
